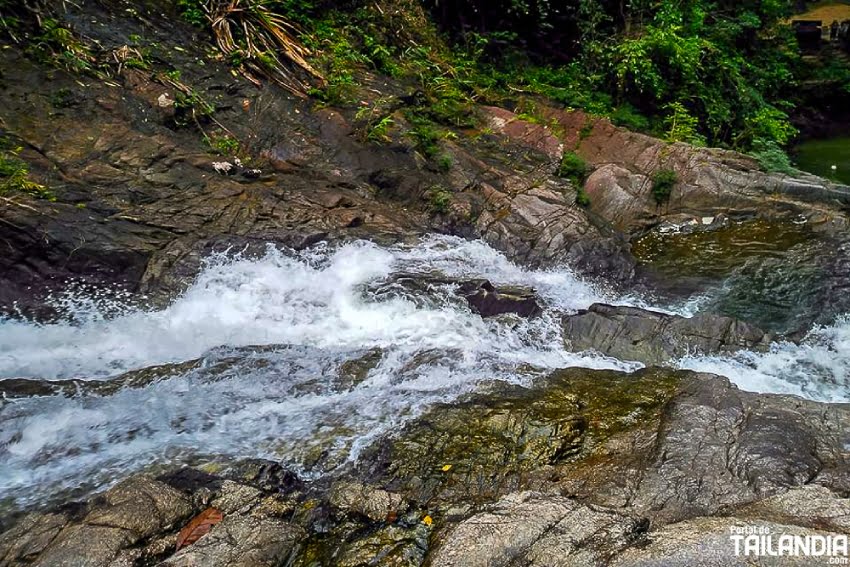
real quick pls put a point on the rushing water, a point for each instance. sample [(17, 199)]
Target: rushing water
[(349, 355)]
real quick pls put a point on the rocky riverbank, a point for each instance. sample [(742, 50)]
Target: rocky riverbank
[(582, 468)]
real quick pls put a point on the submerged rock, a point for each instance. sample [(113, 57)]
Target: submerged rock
[(630, 333)]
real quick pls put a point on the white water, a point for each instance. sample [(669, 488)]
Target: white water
[(285, 403)]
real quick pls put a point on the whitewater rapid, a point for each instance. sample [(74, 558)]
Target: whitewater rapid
[(317, 311)]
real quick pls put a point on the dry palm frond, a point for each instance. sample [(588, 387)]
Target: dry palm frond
[(264, 42)]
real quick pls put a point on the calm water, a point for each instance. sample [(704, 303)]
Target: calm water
[(818, 157)]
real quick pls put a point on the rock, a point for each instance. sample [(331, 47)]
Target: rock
[(630, 333), (537, 529), (677, 545), (375, 504), (543, 226), (241, 541), (487, 445), (485, 298), (125, 515), (711, 181), (489, 301), (716, 448)]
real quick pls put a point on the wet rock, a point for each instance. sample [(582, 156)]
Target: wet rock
[(630, 333), (485, 298), (375, 504), (123, 516), (489, 301), (536, 530), (241, 541), (393, 546), (716, 448), (487, 445)]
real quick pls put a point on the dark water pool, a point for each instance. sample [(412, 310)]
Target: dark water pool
[(819, 156)]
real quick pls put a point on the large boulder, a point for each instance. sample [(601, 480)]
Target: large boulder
[(631, 333)]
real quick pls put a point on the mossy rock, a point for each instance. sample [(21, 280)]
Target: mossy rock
[(490, 444)]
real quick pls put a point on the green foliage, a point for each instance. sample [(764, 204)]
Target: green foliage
[(680, 126), (426, 136), (445, 163), (628, 117), (705, 71), (14, 177), (663, 183), (223, 144), (771, 156), (439, 199), (190, 107), (193, 12), (56, 44), (582, 198), (573, 167)]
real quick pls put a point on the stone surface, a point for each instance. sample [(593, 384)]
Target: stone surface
[(630, 333), (375, 504), (130, 512), (244, 541), (537, 529), (489, 301)]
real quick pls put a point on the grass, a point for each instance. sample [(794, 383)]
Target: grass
[(258, 41)]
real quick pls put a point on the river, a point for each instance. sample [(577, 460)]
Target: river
[(306, 357)]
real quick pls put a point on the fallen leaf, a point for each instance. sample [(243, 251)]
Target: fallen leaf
[(199, 527), (427, 520), (447, 468), (392, 516)]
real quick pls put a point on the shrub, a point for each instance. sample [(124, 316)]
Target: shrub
[(662, 185), (440, 199), (14, 177), (771, 156), (573, 168), (582, 198)]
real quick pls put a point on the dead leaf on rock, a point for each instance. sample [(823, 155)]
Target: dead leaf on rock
[(198, 527)]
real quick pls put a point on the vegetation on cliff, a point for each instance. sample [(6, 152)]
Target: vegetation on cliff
[(707, 72)]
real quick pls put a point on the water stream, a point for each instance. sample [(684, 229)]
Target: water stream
[(304, 357)]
